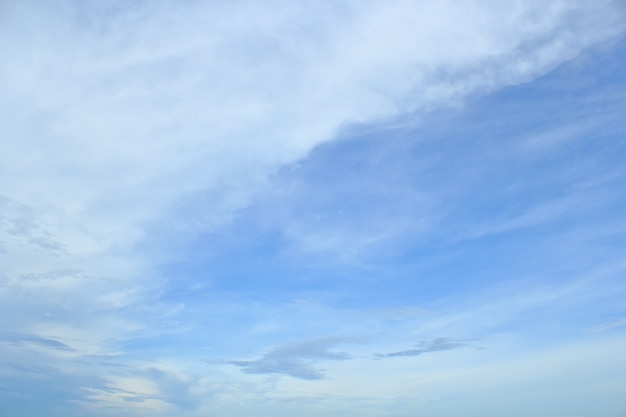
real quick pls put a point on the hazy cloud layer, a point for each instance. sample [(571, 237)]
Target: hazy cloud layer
[(112, 121), (126, 123), (130, 131)]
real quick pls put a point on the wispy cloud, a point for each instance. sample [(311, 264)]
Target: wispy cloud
[(21, 339), (610, 325), (435, 345), (296, 360), (132, 134)]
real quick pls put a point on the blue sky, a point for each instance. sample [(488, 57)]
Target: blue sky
[(271, 208)]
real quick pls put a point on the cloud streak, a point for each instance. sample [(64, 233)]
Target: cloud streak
[(436, 345), (296, 360)]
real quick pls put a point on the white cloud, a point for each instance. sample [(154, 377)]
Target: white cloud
[(121, 122), (115, 118)]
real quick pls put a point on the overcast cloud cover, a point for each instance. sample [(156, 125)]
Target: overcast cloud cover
[(304, 208)]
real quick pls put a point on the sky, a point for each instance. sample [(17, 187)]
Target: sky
[(273, 208)]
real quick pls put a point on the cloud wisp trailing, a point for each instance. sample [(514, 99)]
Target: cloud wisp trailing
[(436, 345), (296, 360)]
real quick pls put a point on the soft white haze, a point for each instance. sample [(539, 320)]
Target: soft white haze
[(131, 132)]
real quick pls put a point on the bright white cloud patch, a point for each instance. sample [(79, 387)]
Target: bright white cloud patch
[(130, 129)]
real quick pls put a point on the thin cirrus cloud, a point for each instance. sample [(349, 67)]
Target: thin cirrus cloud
[(435, 345), (133, 133), (295, 360)]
